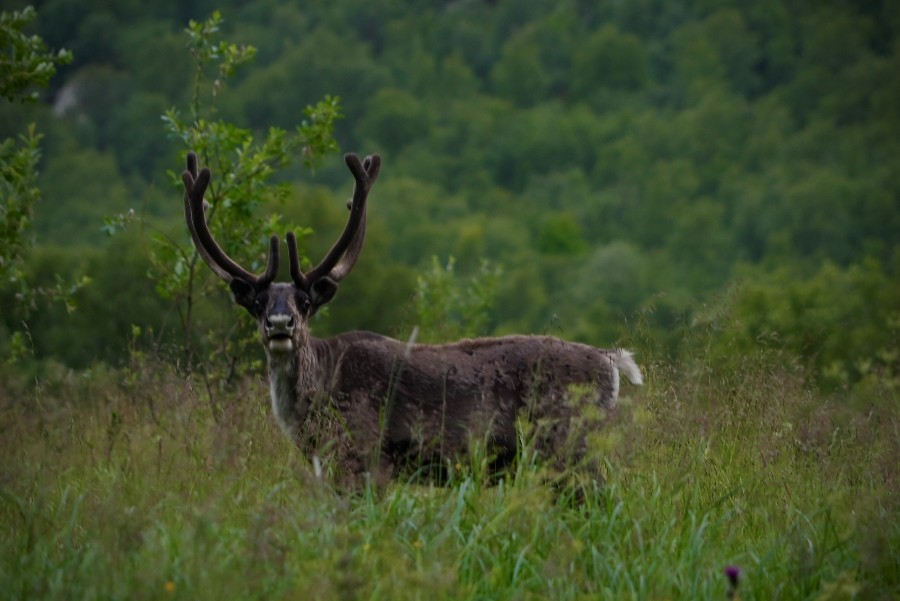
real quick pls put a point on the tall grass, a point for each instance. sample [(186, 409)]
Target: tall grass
[(139, 484)]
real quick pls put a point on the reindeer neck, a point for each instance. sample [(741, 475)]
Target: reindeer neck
[(295, 379)]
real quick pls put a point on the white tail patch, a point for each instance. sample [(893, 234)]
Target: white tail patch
[(625, 362)]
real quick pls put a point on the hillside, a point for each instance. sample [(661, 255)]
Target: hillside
[(644, 164)]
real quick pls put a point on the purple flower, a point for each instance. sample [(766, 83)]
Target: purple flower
[(733, 573)]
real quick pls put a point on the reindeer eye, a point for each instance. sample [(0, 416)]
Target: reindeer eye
[(303, 304), (259, 304)]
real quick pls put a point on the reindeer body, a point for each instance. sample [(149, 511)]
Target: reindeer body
[(375, 405), (378, 405)]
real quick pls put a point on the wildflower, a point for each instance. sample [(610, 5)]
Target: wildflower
[(169, 587), (733, 573)]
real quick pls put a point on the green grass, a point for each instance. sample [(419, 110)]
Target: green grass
[(136, 485)]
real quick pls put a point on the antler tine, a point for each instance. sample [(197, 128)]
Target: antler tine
[(271, 271), (294, 260), (343, 255), (351, 255), (195, 184), (192, 164), (372, 166)]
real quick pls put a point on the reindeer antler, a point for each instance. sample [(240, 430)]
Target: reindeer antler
[(345, 252), (195, 184)]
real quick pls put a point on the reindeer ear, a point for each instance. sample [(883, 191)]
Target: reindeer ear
[(244, 293), (322, 291)]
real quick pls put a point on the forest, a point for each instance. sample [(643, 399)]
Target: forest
[(638, 165), (714, 184)]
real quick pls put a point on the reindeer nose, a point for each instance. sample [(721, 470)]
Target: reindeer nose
[(279, 324)]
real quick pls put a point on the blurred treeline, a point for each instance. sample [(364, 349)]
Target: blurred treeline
[(636, 169)]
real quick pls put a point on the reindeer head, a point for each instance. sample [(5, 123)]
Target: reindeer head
[(282, 310)]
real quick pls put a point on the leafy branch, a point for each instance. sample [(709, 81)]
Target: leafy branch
[(25, 61), (244, 164)]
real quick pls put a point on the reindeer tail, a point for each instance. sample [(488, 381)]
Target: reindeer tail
[(625, 362)]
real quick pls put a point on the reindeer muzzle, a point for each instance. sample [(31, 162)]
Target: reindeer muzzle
[(279, 332)]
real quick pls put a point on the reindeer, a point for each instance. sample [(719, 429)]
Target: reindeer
[(374, 405)]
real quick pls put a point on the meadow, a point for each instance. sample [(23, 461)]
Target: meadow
[(143, 483), (732, 166)]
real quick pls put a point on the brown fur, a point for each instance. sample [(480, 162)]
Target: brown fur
[(423, 405)]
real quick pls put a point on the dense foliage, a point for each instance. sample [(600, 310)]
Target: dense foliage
[(25, 64), (646, 161)]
